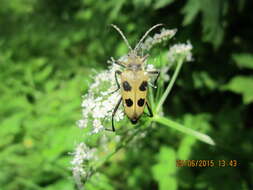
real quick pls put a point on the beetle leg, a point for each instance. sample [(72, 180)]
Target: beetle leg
[(117, 82), (113, 114), (119, 63), (150, 84), (146, 114), (144, 58), (156, 73), (149, 110), (112, 61)]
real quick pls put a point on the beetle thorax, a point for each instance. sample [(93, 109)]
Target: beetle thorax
[(134, 62), (134, 67)]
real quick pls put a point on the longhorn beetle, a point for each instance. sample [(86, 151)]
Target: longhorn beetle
[(134, 81)]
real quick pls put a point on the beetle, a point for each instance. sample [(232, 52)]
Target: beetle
[(133, 81)]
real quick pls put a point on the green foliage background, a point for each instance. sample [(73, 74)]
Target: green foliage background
[(48, 50)]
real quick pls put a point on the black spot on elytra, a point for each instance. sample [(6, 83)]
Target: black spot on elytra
[(143, 86), (141, 102), (126, 86), (129, 102)]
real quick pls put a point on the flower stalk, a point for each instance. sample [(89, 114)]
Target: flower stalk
[(170, 85), (172, 124)]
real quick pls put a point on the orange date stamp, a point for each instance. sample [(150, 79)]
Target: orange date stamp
[(207, 163)]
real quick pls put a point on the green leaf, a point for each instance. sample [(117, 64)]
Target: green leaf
[(116, 9), (64, 184), (197, 122), (185, 148), (203, 80), (99, 181), (43, 74), (211, 11), (190, 11), (84, 14), (21, 7), (243, 60), (162, 3), (141, 3), (164, 171), (169, 123), (241, 85), (213, 31)]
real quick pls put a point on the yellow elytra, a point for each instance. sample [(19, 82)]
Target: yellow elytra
[(134, 82)]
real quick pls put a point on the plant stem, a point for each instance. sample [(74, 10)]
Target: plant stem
[(118, 147), (170, 85), (169, 123)]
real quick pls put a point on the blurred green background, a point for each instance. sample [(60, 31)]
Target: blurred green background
[(48, 50)]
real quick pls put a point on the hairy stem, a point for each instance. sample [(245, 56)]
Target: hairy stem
[(172, 124)]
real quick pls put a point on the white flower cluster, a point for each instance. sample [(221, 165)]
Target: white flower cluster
[(179, 50), (99, 102), (82, 153), (165, 34), (150, 67)]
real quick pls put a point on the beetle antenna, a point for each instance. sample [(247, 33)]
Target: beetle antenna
[(145, 35), (122, 35)]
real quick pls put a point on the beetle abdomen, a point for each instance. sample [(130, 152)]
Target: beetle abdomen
[(134, 92)]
